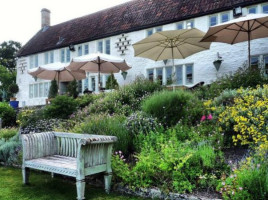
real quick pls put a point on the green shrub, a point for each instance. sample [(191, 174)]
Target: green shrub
[(53, 90), (111, 82), (29, 115), (61, 107), (10, 151), (72, 89), (243, 77), (139, 122), (171, 107), (84, 100), (166, 162), (6, 133), (13, 88), (108, 125), (249, 181), (125, 100), (7, 114)]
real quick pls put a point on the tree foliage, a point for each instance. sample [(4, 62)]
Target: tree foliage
[(53, 90), (111, 82), (8, 51), (72, 89)]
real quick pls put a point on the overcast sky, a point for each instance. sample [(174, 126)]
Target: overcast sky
[(21, 19)]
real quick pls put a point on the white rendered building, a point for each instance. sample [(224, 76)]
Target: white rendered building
[(113, 30)]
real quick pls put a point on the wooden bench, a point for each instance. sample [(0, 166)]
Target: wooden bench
[(70, 154)]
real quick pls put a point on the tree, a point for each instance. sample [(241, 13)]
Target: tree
[(111, 82), (53, 90), (72, 89), (8, 51), (6, 78)]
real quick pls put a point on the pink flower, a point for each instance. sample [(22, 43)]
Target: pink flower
[(203, 118), (120, 152), (223, 183), (240, 188), (209, 117)]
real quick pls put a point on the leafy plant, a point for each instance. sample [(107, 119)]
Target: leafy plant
[(171, 107), (84, 100), (61, 107), (108, 125), (7, 114), (13, 88), (10, 150), (111, 82), (53, 90), (6, 133), (72, 89)]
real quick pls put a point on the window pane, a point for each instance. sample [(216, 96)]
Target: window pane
[(158, 29), (35, 90), (62, 57), (189, 74), (46, 58), (80, 50), (79, 86), (68, 55), (107, 47), (179, 26), (51, 56), (179, 75), (150, 74), (159, 75), (46, 88), (265, 8), (86, 83), (252, 10), (213, 20), (190, 24), (169, 75), (86, 49), (93, 84), (149, 32), (31, 62), (254, 62), (100, 46), (36, 61), (41, 89), (31, 91), (266, 64), (225, 17)]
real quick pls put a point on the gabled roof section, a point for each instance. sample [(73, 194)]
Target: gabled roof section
[(131, 16)]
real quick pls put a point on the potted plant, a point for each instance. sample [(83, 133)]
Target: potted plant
[(13, 89)]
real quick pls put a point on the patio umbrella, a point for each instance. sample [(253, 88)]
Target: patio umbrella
[(57, 71), (174, 44), (249, 27), (99, 63)]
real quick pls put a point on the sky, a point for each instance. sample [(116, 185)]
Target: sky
[(21, 19)]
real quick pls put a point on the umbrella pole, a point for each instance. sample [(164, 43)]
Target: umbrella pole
[(173, 66), (58, 83), (99, 74), (249, 49)]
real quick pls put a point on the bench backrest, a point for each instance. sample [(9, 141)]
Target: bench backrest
[(38, 145)]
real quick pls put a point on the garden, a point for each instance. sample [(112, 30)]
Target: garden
[(210, 141)]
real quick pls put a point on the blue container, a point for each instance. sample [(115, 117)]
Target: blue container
[(14, 104)]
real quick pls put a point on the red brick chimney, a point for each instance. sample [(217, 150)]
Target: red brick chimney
[(45, 17)]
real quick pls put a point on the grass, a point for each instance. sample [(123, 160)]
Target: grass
[(43, 187)]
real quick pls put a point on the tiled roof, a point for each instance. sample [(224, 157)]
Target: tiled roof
[(131, 16)]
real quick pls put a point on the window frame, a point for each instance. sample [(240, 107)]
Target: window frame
[(210, 18), (262, 8), (226, 13), (186, 79), (252, 7)]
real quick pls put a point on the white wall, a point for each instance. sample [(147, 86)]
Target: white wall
[(233, 55)]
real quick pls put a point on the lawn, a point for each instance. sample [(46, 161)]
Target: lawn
[(43, 187)]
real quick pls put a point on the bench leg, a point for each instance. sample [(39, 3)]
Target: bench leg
[(80, 187), (25, 175), (107, 182)]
